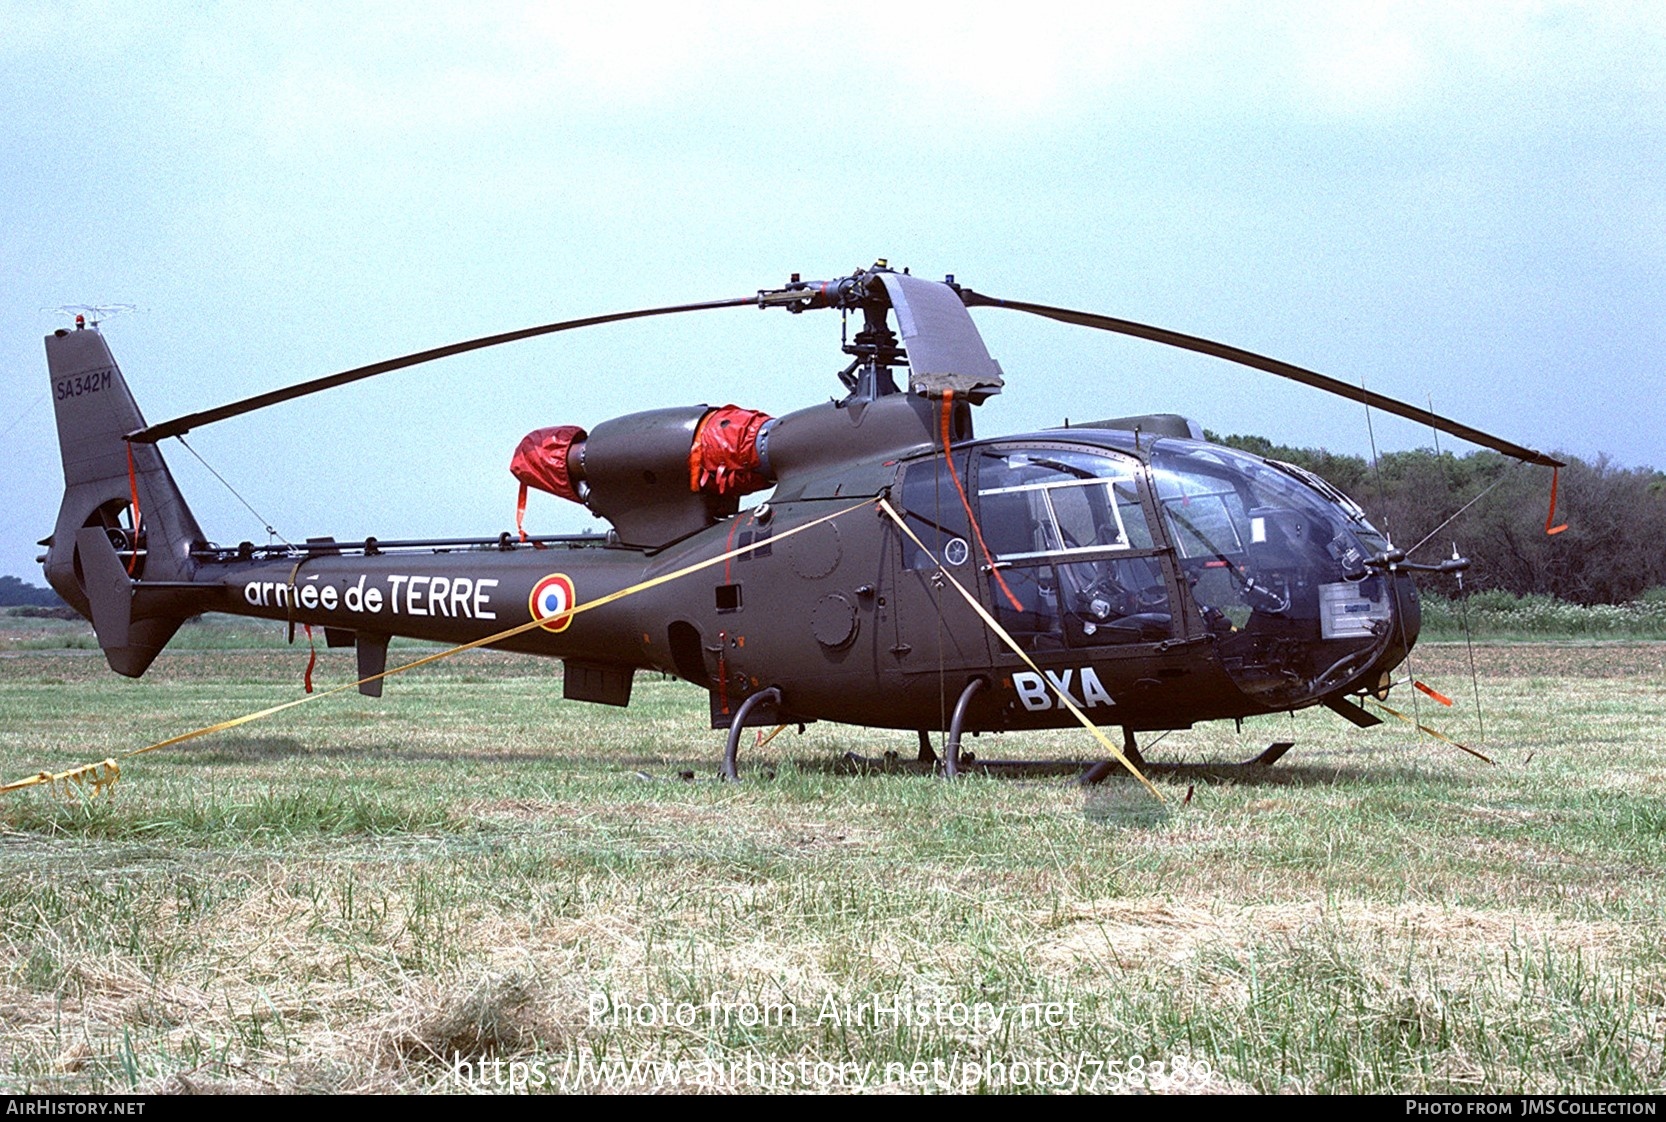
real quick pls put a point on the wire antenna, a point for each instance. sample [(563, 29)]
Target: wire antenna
[(92, 314), (270, 531), (1469, 642), (1376, 465), (1454, 515)]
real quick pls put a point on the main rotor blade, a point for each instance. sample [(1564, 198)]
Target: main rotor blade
[(181, 425), (1270, 365)]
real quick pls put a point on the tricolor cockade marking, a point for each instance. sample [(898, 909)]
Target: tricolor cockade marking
[(552, 601)]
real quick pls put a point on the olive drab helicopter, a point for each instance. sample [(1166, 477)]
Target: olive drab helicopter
[(903, 573)]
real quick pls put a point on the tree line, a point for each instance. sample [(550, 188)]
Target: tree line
[(1613, 550), (15, 593)]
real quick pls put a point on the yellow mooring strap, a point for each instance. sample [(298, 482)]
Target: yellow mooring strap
[(103, 781), (101, 777), (1012, 644), (1425, 728)]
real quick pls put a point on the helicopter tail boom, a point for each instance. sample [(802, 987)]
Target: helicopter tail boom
[(120, 552)]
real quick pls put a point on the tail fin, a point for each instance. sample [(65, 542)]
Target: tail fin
[(123, 524)]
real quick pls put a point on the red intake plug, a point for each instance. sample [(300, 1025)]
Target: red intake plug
[(724, 458), (544, 460)]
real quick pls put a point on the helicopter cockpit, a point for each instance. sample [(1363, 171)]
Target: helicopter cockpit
[(1100, 542), (1276, 561)]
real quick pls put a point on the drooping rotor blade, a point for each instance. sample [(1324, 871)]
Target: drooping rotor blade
[(944, 348), (1270, 365), (181, 425)]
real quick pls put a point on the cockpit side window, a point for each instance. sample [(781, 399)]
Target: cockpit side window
[(1074, 546), (932, 507), (1053, 500)]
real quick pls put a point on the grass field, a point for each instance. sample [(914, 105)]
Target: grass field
[(393, 895)]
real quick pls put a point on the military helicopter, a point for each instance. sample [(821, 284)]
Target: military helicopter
[(903, 574)]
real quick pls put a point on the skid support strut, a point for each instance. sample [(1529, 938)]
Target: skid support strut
[(772, 694), (1103, 768), (951, 750)]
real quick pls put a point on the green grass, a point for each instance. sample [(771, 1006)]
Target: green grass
[(1501, 615), (210, 632), (343, 897)]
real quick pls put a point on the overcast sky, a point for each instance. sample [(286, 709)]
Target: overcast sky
[(1463, 203)]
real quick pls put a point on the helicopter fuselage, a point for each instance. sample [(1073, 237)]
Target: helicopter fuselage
[(1153, 582), (1127, 570)]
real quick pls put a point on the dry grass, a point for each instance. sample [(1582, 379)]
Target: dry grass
[(358, 897)]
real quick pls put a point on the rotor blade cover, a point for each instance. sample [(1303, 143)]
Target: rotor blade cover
[(945, 351)]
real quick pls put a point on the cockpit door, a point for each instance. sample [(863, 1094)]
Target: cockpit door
[(936, 630), (1079, 562)]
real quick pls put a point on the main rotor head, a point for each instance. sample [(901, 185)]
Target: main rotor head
[(940, 343)]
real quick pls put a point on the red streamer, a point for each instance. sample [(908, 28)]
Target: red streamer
[(1438, 696), (1550, 518), (977, 532), (133, 489)]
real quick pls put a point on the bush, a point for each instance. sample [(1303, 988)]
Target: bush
[(1499, 614), (44, 613)]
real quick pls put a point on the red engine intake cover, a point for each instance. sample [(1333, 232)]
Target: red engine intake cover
[(724, 457), (541, 460)]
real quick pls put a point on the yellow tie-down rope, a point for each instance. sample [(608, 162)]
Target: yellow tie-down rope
[(101, 777), (1425, 728), (1012, 644), (103, 781)]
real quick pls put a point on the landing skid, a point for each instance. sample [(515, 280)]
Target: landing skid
[(1087, 772), (892, 763), (1104, 768), (954, 761)]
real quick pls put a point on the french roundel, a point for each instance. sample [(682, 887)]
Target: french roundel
[(552, 602)]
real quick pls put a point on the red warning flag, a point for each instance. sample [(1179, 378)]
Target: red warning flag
[(1551, 516), (1436, 694)]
